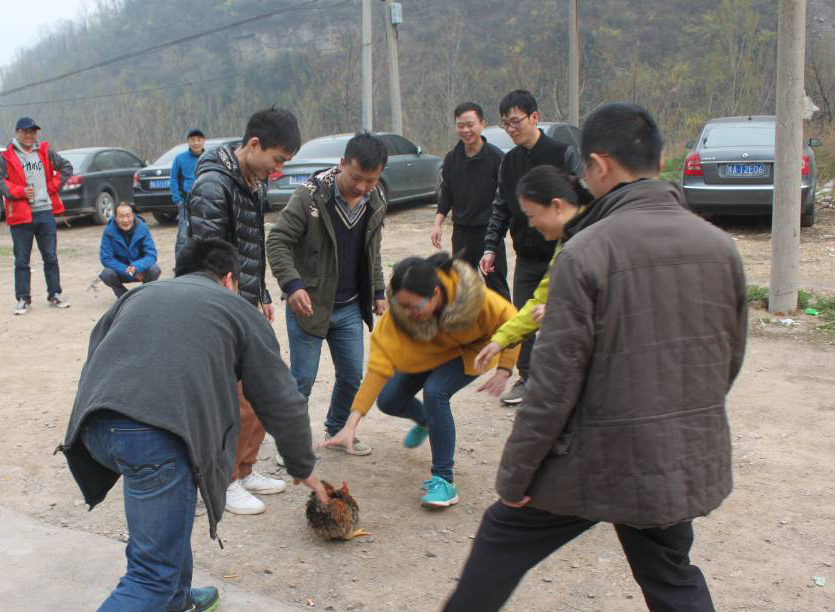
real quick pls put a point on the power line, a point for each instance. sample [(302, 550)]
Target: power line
[(165, 45), (120, 93)]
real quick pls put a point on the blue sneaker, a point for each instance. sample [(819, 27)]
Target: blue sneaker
[(416, 436), (439, 493), (203, 599)]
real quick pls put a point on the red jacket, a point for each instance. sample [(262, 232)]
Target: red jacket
[(17, 207)]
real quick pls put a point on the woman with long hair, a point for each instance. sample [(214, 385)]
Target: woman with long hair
[(440, 316)]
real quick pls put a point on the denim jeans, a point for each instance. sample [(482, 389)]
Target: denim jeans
[(116, 280), (43, 230), (439, 385), (345, 344), (182, 227), (160, 496)]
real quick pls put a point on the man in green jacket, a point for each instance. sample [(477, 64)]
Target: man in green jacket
[(158, 405), (325, 253)]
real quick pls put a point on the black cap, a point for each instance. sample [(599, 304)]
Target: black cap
[(196, 132), (26, 123)]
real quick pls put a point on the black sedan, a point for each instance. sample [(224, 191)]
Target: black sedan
[(152, 185), (730, 169), (102, 177)]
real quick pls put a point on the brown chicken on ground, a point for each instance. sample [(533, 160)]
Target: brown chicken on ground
[(338, 520)]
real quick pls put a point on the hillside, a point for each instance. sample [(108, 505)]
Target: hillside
[(686, 61)]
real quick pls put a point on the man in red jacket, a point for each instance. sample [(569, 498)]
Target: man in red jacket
[(31, 175)]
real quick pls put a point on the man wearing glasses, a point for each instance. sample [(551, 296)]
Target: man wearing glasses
[(520, 115)]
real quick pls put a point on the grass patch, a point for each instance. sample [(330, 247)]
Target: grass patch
[(757, 296), (672, 168)]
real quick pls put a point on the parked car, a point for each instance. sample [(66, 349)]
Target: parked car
[(102, 177), (409, 175), (730, 169), (566, 133), (152, 185)]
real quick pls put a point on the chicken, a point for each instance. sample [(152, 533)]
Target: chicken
[(338, 520)]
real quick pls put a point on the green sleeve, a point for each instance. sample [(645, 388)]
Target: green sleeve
[(522, 325)]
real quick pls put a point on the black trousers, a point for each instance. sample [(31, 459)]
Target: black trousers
[(468, 244), (526, 278), (510, 541), (116, 280)]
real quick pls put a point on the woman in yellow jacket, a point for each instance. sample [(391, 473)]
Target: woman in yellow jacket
[(551, 200), (440, 316)]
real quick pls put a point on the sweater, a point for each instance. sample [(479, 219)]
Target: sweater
[(170, 354)]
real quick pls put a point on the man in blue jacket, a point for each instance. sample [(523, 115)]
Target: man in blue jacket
[(183, 173), (127, 251)]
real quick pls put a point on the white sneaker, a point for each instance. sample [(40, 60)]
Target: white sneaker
[(57, 301), (279, 460), (22, 307), (258, 483), (241, 501)]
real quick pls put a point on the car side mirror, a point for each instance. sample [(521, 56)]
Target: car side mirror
[(689, 144), (814, 142)]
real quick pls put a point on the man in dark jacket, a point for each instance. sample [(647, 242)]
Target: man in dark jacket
[(31, 176), (163, 414), (624, 418), (228, 201), (127, 251), (520, 115), (325, 254), (469, 178)]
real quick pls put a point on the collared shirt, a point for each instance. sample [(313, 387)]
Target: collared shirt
[(349, 216)]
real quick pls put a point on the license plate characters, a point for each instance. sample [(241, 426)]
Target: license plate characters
[(160, 183), (746, 170), (298, 179)]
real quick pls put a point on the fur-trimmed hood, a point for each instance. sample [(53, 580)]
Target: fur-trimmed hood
[(465, 294)]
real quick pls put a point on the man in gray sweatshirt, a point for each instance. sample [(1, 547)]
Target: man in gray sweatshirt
[(158, 406), (31, 176)]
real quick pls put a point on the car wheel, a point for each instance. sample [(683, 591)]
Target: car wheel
[(807, 219), (165, 218), (104, 207)]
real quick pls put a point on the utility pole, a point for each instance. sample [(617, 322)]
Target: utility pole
[(367, 100), (394, 17), (573, 64), (785, 224)]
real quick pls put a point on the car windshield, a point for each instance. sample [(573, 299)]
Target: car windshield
[(76, 159), (740, 136), (498, 137), (328, 147)]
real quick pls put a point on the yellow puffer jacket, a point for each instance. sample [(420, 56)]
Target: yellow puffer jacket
[(400, 343)]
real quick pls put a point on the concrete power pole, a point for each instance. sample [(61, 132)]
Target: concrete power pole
[(393, 18), (785, 225), (367, 97), (573, 65)]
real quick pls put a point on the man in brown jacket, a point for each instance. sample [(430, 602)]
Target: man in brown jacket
[(623, 419)]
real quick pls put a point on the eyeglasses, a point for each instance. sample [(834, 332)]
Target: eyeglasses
[(513, 122), (415, 308)]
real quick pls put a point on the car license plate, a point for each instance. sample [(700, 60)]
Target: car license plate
[(160, 184), (298, 179), (745, 170)]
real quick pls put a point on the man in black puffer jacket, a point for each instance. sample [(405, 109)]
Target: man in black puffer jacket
[(227, 201)]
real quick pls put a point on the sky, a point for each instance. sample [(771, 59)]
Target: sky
[(23, 22)]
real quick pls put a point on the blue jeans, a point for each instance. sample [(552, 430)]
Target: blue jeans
[(43, 230), (182, 227), (160, 496), (439, 385), (345, 344)]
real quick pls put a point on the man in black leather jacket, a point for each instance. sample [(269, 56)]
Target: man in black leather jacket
[(228, 201)]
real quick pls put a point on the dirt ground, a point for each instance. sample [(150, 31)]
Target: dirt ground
[(760, 550)]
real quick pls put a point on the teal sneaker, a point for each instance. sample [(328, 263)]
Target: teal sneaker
[(416, 436), (203, 599), (439, 493)]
